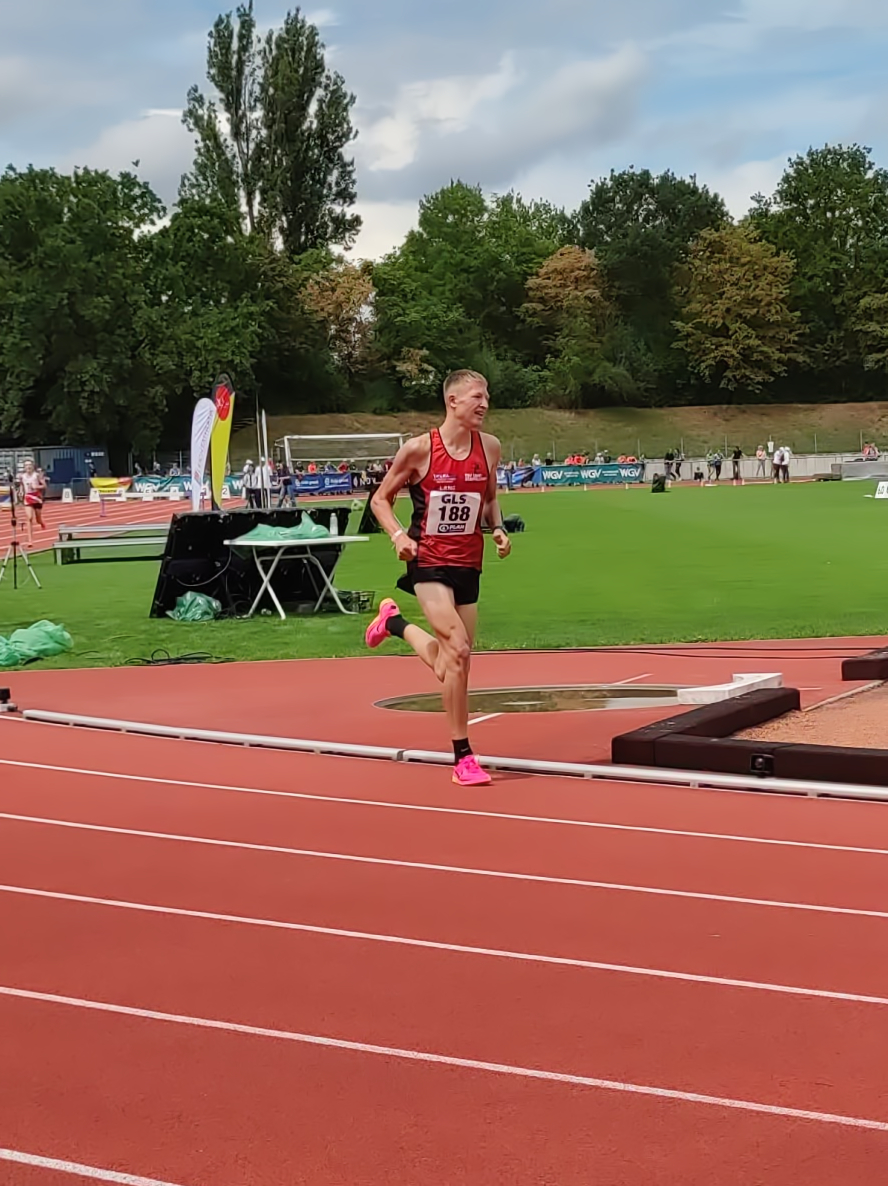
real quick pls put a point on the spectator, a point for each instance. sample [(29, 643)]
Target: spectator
[(535, 460), (736, 458), (784, 465), (777, 465), (287, 485), (762, 458), (668, 462), (251, 486), (679, 458), (717, 463)]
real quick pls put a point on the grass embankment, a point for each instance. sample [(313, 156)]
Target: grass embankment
[(604, 567)]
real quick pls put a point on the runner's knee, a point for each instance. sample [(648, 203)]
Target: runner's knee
[(455, 648)]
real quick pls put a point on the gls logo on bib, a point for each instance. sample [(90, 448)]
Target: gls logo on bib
[(452, 514)]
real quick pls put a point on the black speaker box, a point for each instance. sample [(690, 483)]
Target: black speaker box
[(197, 560)]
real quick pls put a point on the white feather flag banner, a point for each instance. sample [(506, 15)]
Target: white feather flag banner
[(201, 429)]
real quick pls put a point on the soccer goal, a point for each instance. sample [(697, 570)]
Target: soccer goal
[(358, 449)]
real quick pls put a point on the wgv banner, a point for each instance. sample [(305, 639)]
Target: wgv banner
[(148, 482), (614, 474)]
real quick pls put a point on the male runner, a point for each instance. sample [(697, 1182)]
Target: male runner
[(451, 472)]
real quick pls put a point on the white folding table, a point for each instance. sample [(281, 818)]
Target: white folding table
[(303, 550)]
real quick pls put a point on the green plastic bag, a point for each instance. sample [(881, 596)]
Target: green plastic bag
[(195, 607), (39, 641)]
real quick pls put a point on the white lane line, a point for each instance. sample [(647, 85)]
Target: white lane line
[(491, 716), (470, 1064), (80, 1171), (456, 811), (455, 948), (461, 870)]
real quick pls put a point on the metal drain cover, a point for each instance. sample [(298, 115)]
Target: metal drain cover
[(575, 698)]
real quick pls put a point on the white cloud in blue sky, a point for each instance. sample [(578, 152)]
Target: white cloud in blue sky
[(506, 93)]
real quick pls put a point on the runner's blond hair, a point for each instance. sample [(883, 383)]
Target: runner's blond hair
[(457, 378)]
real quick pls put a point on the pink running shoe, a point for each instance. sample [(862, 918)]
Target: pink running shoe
[(377, 631), (467, 773)]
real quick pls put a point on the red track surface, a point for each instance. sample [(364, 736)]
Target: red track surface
[(325, 900), (335, 699)]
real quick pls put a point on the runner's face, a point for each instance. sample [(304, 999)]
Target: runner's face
[(469, 403)]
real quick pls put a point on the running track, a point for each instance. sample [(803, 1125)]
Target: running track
[(224, 967)]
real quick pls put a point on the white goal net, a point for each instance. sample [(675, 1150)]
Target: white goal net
[(357, 449)]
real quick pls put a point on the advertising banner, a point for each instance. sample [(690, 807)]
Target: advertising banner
[(613, 474), (149, 483), (223, 400), (201, 428), (325, 484)]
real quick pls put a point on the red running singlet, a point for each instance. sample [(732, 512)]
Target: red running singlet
[(448, 507)]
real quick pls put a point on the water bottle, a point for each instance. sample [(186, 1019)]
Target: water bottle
[(334, 524)]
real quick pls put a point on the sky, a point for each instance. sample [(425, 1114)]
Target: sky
[(540, 97)]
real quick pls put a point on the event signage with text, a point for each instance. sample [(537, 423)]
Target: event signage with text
[(591, 475)]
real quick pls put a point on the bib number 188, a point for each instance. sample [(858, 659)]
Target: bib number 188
[(453, 514)]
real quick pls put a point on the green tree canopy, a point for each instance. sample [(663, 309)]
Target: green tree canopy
[(77, 331), (830, 212), (640, 226), (454, 289), (736, 326)]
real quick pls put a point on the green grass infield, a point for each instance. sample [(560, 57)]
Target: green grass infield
[(604, 567)]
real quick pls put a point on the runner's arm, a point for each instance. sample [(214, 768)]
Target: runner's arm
[(492, 511), (405, 468)]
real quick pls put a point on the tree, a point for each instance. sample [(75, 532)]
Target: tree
[(736, 325), (587, 363), (211, 297), (341, 298), (77, 331), (641, 227), (279, 155), (455, 288), (567, 288), (871, 324), (830, 212)]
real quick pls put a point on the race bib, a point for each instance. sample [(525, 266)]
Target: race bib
[(452, 514)]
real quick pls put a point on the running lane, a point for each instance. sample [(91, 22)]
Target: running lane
[(50, 749), (743, 939), (189, 1106), (787, 1051)]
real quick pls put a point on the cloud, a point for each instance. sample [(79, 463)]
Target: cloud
[(439, 107), (322, 18), (739, 185), (497, 94), (385, 226), (157, 140), (486, 129), (32, 86)]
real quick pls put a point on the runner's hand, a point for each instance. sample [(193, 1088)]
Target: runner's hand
[(405, 547), (503, 543)]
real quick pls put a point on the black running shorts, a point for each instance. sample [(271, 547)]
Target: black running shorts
[(465, 582)]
